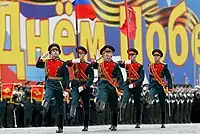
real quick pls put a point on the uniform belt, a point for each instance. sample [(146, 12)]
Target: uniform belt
[(103, 78), (55, 78), (160, 78), (132, 78), (82, 80)]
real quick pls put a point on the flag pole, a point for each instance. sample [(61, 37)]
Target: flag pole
[(128, 41), (1, 93), (77, 41)]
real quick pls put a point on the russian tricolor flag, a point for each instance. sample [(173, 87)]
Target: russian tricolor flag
[(84, 9)]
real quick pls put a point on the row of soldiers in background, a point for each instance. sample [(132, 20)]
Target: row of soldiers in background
[(23, 113), (18, 111)]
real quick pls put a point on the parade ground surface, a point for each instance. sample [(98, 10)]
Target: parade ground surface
[(122, 129)]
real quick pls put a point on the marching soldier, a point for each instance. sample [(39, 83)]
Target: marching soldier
[(110, 81), (84, 76), (158, 71), (135, 73), (57, 79)]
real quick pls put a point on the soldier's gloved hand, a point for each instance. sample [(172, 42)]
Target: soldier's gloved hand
[(44, 55), (76, 60), (65, 93), (130, 86), (80, 89), (128, 62), (169, 90)]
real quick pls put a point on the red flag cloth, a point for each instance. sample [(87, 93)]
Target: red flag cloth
[(7, 90), (37, 92), (129, 26), (84, 9)]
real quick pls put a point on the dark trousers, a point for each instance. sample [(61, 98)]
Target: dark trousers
[(136, 93), (161, 96), (108, 93), (2, 114), (54, 89), (10, 115), (28, 112), (85, 95), (112, 100)]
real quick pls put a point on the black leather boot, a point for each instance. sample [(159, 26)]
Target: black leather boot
[(110, 127), (163, 126), (113, 128), (60, 130), (85, 128), (137, 126)]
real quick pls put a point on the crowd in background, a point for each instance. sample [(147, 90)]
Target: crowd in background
[(184, 107)]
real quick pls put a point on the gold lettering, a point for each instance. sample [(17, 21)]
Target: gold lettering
[(15, 56)]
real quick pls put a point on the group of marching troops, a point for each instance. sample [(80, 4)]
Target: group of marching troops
[(110, 100)]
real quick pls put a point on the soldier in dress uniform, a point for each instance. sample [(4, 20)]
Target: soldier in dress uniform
[(185, 103), (28, 106), (2, 109), (195, 110), (110, 81), (173, 104), (190, 95), (181, 103), (57, 80), (135, 73), (158, 71), (84, 76)]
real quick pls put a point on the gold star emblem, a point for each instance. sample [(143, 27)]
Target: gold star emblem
[(37, 92), (7, 90)]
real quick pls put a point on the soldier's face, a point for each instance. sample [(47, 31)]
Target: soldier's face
[(157, 57), (133, 57), (81, 55), (107, 55), (28, 86), (55, 53)]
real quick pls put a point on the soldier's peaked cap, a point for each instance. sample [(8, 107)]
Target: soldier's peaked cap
[(52, 46), (28, 82), (132, 51), (157, 51), (81, 48), (107, 46)]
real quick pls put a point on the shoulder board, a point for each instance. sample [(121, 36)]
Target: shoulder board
[(61, 60), (87, 62), (138, 63), (47, 59), (163, 63), (150, 64)]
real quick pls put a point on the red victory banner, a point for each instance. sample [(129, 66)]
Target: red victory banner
[(7, 90), (37, 92)]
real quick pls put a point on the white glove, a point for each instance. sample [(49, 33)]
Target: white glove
[(128, 62), (76, 60), (65, 93), (130, 85), (44, 55), (80, 89)]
